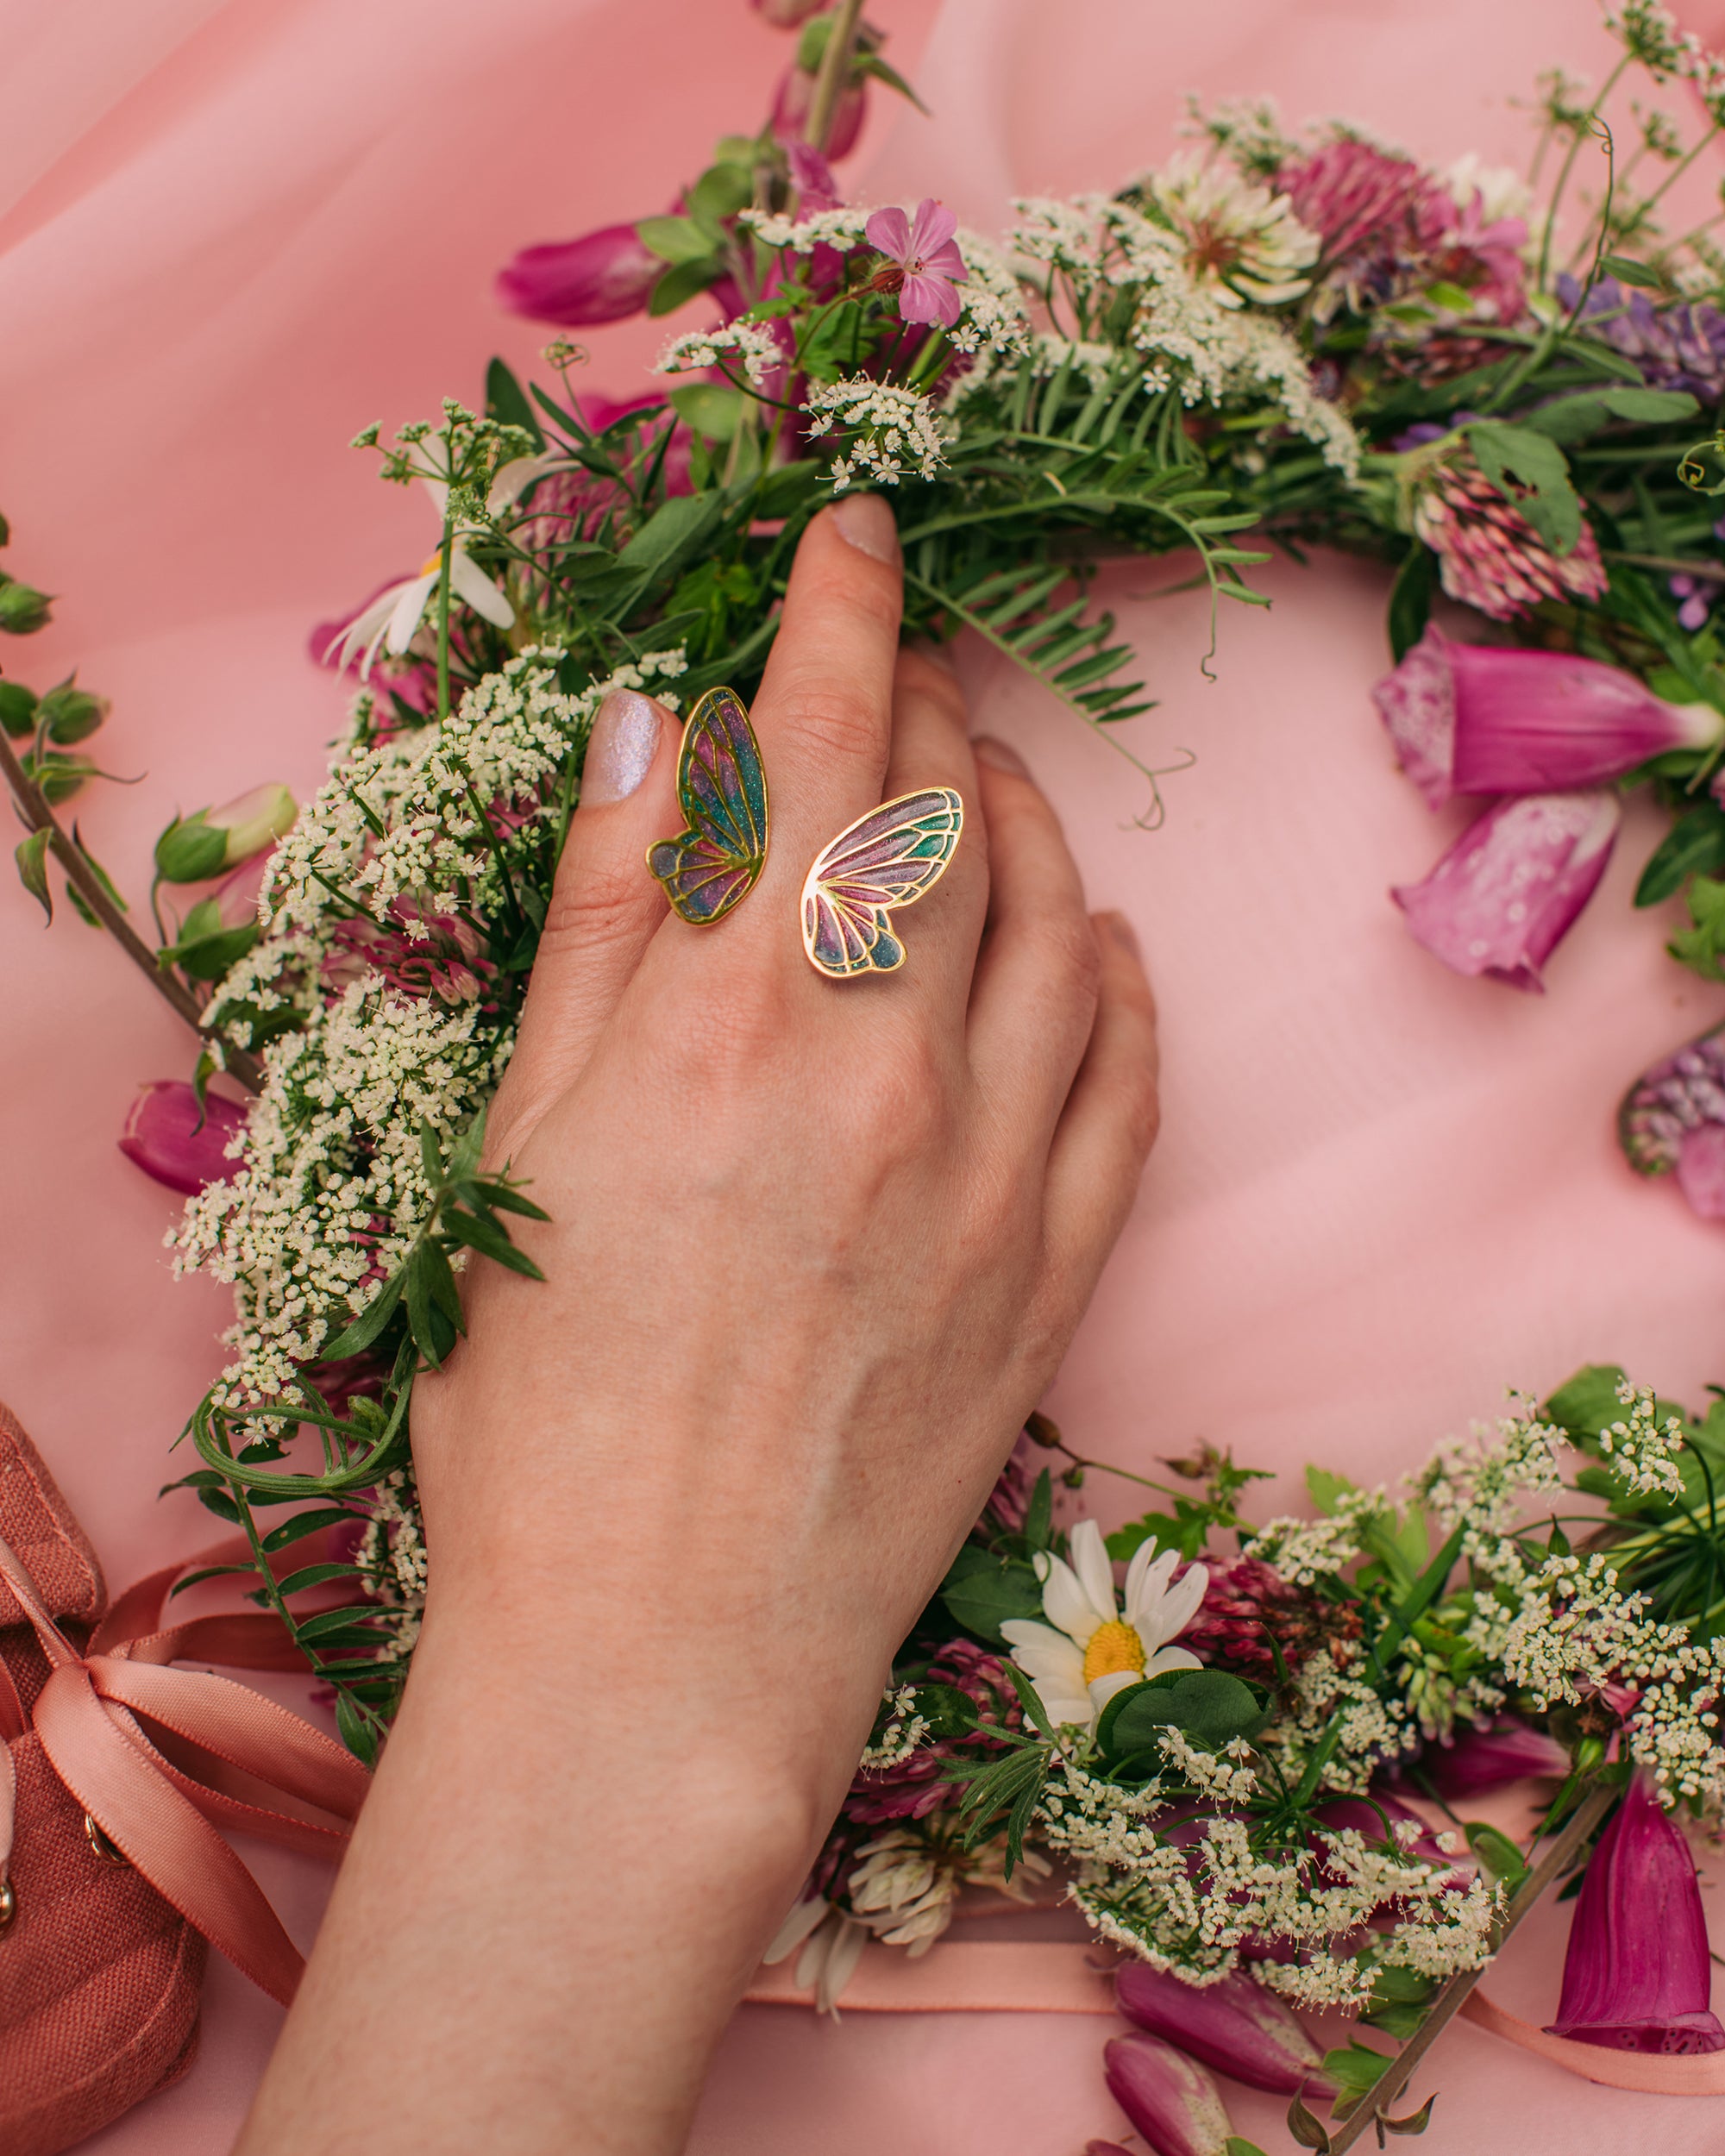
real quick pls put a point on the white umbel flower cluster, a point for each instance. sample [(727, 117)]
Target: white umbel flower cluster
[(886, 429)]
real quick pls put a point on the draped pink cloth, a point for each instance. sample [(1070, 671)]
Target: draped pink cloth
[(233, 232)]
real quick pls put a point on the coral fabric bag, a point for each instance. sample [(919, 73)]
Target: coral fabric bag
[(99, 1975)]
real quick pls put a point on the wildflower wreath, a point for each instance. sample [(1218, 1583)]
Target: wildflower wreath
[(1238, 1766)]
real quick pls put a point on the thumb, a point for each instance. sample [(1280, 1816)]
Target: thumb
[(604, 910)]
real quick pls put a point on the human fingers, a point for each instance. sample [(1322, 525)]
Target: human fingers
[(604, 911), (825, 713), (1109, 1122), (1034, 996)]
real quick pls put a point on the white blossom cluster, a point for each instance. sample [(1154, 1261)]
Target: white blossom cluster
[(1641, 1452), (1302, 1549), (842, 229), (903, 1731), (750, 345), (884, 427)]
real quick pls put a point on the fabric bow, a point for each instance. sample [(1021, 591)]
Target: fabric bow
[(160, 1816)]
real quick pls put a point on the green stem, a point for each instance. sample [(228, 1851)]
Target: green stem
[(444, 618), (1577, 138), (1455, 1994), (34, 808), (834, 70)]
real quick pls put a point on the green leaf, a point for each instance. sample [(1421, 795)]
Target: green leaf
[(981, 1592), (1039, 1513), (712, 409), (491, 1242), (357, 1733), (1627, 271), (303, 1524), (1415, 2121), (1235, 2146), (330, 1621), (1356, 2071), (368, 1326), (674, 239), (32, 857), (507, 401), (1209, 1706), (1530, 470), (1588, 1403), (189, 850), (671, 536), (720, 192), (1410, 598), (1498, 1854), (1305, 2130), (681, 282), (1694, 846), (1327, 1490), (314, 1576)]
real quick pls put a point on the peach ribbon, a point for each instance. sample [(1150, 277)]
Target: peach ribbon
[(160, 1817), (1015, 1977)]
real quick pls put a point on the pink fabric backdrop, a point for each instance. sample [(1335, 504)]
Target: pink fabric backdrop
[(234, 232)]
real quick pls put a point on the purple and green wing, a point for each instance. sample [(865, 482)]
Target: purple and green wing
[(722, 789), (889, 857)]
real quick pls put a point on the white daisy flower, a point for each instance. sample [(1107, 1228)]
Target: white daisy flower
[(1087, 1650), (390, 621)]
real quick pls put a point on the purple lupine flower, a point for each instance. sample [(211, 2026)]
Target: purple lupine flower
[(601, 277), (795, 97), (929, 269), (1169, 2098), (1484, 1754), (1235, 2028), (1506, 893), (170, 1138), (1673, 1121), (1637, 1976), (1481, 718), (1489, 555), (1679, 347)]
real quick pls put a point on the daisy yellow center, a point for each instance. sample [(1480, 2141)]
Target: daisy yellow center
[(1112, 1647)]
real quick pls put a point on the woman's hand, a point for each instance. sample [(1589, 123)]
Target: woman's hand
[(815, 1250)]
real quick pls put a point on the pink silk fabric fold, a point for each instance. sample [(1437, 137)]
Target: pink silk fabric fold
[(233, 232)]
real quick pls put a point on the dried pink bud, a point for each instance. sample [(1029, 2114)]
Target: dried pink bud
[(1235, 2028), (170, 1137), (601, 277)]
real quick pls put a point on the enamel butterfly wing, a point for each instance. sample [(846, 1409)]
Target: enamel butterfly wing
[(722, 789), (889, 857)]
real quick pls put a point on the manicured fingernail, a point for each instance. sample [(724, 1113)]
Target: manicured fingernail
[(625, 740), (870, 525), (1122, 931), (1004, 759)]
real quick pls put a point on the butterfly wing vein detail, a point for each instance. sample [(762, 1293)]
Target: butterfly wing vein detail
[(721, 790), (890, 857)]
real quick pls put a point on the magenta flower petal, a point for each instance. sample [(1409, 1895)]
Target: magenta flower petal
[(1637, 1976), (602, 276), (888, 232), (929, 299), (1169, 2099), (931, 227), (168, 1138), (813, 179), (1235, 2028), (1475, 719), (1506, 893), (791, 104), (1484, 1755)]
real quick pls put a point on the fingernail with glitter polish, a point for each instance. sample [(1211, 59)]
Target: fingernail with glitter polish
[(990, 751), (625, 739), (870, 525)]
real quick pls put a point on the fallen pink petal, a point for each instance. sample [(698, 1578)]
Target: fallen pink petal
[(1505, 896), (1170, 2099), (1235, 2027)]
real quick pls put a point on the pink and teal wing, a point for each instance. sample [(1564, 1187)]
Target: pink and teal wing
[(722, 789), (889, 857)]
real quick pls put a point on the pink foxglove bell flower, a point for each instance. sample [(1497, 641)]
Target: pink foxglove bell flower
[(1477, 718), (1506, 893), (1637, 1976), (1169, 2098), (602, 276), (1235, 2028), (930, 267), (813, 179), (1485, 1755), (172, 1139), (1673, 1121), (1087, 1650)]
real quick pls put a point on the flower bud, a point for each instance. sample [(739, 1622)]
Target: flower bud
[(22, 610), (1236, 2028), (195, 848), (1509, 891), (170, 1138), (72, 714), (601, 277), (1476, 718), (1637, 1976), (17, 709), (1169, 2099), (795, 98)]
